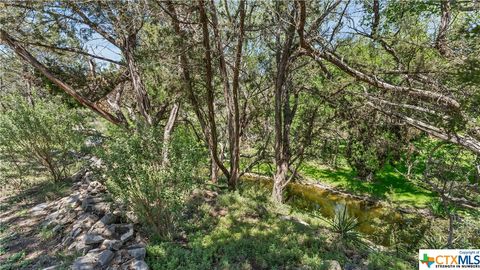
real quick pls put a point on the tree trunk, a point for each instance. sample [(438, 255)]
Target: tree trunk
[(231, 92), (168, 132), (283, 113), (143, 102), (450, 230), (279, 181), (27, 57)]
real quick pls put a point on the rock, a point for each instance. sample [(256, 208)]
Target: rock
[(39, 209), (86, 262), (100, 208), (112, 244), (68, 218), (51, 218), (75, 232), (105, 257), (127, 236), (104, 230), (73, 200), (67, 241), (352, 267), (89, 202), (86, 220), (53, 267), (296, 220), (108, 219), (332, 265), (57, 229), (137, 253), (80, 247), (139, 265), (91, 239)]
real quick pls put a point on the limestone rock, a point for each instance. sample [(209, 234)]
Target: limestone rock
[(91, 239), (137, 253), (105, 257), (127, 235), (333, 265), (139, 265), (108, 219), (39, 209), (112, 244), (87, 262)]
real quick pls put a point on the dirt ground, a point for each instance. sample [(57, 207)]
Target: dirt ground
[(23, 242)]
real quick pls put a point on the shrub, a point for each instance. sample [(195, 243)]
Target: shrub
[(47, 134), (134, 171), (381, 261), (344, 225)]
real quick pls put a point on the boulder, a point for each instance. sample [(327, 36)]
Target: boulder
[(137, 253), (105, 257), (128, 234), (112, 244), (332, 265), (139, 265), (87, 262), (108, 219), (91, 239)]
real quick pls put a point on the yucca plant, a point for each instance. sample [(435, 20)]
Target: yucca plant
[(344, 224)]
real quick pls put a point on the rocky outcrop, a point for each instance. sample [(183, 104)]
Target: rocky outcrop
[(90, 226)]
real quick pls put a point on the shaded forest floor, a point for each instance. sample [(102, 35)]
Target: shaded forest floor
[(243, 230), (223, 230), (220, 230), (23, 242)]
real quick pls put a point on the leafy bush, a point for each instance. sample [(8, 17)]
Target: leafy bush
[(381, 261), (134, 171), (46, 134)]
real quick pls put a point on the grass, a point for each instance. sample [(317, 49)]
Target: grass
[(46, 233), (243, 230), (15, 261), (388, 185)]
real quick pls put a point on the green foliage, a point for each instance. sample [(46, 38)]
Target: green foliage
[(45, 135), (238, 232), (381, 261), (373, 142), (15, 261), (344, 225), (134, 171)]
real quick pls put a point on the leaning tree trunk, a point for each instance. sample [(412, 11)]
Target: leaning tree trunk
[(167, 133)]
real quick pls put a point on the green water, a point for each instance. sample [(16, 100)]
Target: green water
[(382, 225)]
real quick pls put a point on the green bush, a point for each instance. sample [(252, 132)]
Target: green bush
[(135, 173), (46, 135), (382, 261)]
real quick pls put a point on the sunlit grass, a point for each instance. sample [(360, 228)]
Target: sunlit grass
[(388, 184)]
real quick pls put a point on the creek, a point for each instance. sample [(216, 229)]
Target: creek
[(381, 224)]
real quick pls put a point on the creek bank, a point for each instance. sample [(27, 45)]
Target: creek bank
[(372, 201), (92, 227)]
